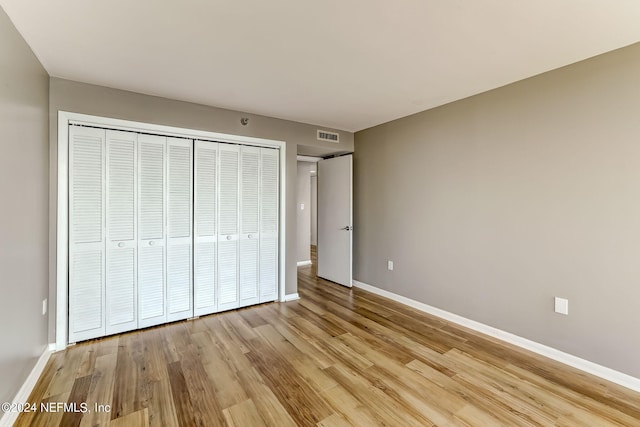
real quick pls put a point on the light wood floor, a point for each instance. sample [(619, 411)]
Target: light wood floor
[(336, 357)]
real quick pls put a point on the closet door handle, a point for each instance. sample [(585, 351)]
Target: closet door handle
[(151, 243), (121, 245), (348, 228), (228, 237)]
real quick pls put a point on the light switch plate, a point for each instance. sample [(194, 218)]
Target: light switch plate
[(390, 265), (44, 306), (562, 306)]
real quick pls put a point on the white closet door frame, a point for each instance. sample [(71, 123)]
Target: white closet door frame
[(66, 118)]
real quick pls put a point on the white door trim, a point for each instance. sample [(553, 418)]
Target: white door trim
[(66, 118)]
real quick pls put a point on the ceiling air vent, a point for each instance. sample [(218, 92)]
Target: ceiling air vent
[(324, 135)]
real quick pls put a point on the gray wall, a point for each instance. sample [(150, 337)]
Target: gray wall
[(24, 214), (304, 215), (314, 208), (493, 205), (83, 98)]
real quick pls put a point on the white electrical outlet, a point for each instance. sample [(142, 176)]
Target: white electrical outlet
[(562, 306), (44, 306), (390, 265)]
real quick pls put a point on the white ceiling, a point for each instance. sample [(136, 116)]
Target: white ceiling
[(345, 64)]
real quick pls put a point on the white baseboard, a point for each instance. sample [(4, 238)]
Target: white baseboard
[(22, 396), (291, 297), (608, 374), (303, 263)]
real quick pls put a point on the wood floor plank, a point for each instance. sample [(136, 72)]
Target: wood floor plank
[(472, 416), (154, 379), (268, 405), (398, 381), (243, 414), (303, 365), (337, 357), (333, 348), (101, 390), (87, 363), (135, 419), (206, 408), (335, 420), (228, 391), (298, 340), (66, 374), (353, 410), (301, 401), (231, 350), (126, 388), (593, 407), (386, 408), (473, 394), (180, 393), (77, 398), (51, 418)]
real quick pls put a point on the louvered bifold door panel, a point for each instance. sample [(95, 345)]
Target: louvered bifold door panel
[(228, 184), (151, 230), (205, 228), (179, 226), (249, 225), (121, 271), (269, 201), (86, 233)]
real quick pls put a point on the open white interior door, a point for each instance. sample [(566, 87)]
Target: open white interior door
[(335, 216)]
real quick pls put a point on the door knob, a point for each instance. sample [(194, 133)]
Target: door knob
[(348, 228), (121, 245)]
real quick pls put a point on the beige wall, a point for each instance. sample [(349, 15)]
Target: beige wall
[(24, 213), (83, 98), (304, 215), (493, 205)]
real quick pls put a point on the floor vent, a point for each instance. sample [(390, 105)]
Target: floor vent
[(324, 135)]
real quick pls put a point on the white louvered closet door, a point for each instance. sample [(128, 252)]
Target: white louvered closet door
[(86, 233), (228, 166), (121, 263), (205, 227), (179, 228), (249, 225), (151, 230), (269, 200)]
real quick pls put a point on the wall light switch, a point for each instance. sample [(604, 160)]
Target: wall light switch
[(562, 306), (301, 206), (390, 265), (44, 306)]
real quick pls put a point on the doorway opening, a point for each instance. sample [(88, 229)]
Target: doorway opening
[(324, 214)]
